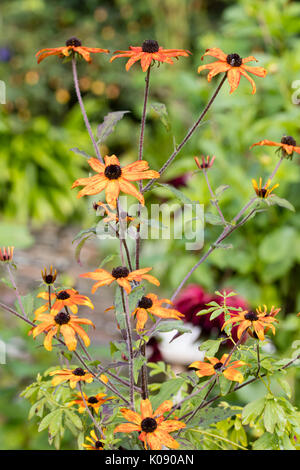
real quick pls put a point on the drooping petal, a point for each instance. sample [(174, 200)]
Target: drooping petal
[(69, 337), (258, 71), (82, 333), (142, 317), (48, 339), (250, 80), (112, 192), (166, 439), (234, 76), (129, 188), (125, 284)]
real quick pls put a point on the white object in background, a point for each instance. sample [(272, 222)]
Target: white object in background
[(183, 350)]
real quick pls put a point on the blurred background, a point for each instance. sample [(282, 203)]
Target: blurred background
[(41, 122)]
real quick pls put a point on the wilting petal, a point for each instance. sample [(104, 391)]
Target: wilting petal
[(215, 52), (69, 337), (146, 62), (128, 188), (142, 317), (48, 339), (133, 59), (259, 330), (166, 439), (250, 80), (154, 440), (82, 333), (221, 67), (171, 425), (234, 76), (112, 192), (125, 284), (258, 71), (243, 326), (131, 416)]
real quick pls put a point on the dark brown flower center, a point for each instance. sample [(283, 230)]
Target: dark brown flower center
[(218, 365), (148, 425), (120, 271), (262, 192), (288, 140), (234, 60), (98, 444), (92, 400), (73, 42), (63, 295), (251, 316), (62, 318), (150, 46), (49, 279), (145, 302), (78, 371), (113, 172)]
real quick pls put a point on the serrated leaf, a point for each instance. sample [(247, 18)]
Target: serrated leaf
[(204, 418), (54, 415), (74, 418), (108, 125), (211, 346)]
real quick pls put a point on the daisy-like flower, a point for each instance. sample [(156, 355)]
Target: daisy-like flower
[(150, 304), (263, 192), (148, 52), (233, 65), (114, 179), (6, 254), (73, 46), (255, 320), (94, 401), (95, 443), (216, 366), (69, 298), (122, 275), (49, 278), (153, 426), (273, 313), (64, 323), (72, 376), (208, 163), (287, 146)]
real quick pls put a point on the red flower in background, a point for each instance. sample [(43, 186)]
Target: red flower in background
[(194, 298)]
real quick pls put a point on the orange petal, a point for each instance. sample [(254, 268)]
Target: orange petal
[(127, 427), (146, 409), (131, 416), (96, 165), (234, 76), (128, 188)]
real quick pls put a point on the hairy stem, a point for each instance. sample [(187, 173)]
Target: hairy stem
[(85, 118)]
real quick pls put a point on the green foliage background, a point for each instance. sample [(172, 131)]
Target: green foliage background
[(41, 122)]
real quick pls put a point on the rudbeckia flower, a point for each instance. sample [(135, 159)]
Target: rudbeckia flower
[(215, 366), (94, 402), (64, 323), (255, 320), (153, 427), (265, 191), (233, 65), (49, 278), (287, 145), (150, 51), (6, 254), (73, 376), (150, 303), (64, 298), (122, 275), (264, 311), (208, 163), (114, 179), (73, 46), (95, 443)]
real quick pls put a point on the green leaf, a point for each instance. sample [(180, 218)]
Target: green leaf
[(80, 152), (161, 110), (108, 125), (137, 366), (204, 418), (221, 189), (253, 410), (273, 199), (213, 219), (266, 442), (167, 391), (45, 423), (211, 346), (171, 325), (74, 418), (178, 194)]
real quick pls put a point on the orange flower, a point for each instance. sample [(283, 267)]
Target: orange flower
[(63, 298), (258, 321), (73, 46), (64, 323), (150, 51), (122, 275), (96, 444), (73, 376), (6, 254), (273, 313), (153, 426), (50, 278), (150, 303), (114, 179), (233, 65), (205, 164), (93, 402), (216, 366), (287, 146), (263, 192)]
